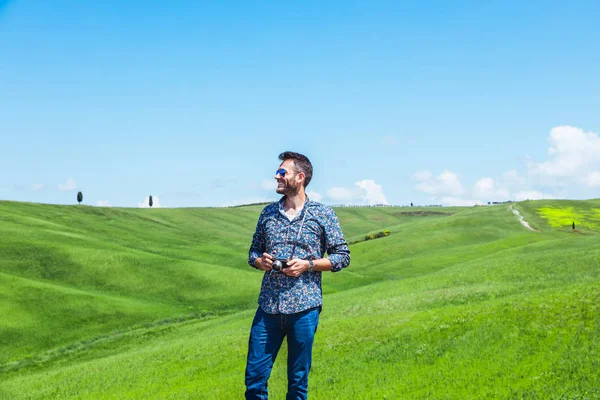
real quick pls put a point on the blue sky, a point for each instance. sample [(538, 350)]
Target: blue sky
[(435, 102)]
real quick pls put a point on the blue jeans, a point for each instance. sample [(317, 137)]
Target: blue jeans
[(266, 336)]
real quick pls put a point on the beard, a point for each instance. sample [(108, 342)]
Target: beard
[(287, 188)]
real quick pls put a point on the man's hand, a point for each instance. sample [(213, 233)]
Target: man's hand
[(265, 262), (296, 267)]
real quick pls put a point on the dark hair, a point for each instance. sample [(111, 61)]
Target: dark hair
[(301, 162)]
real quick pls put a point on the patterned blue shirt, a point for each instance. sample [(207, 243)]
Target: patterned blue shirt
[(276, 234)]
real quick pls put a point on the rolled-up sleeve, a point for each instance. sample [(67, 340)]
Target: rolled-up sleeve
[(338, 252), (258, 246)]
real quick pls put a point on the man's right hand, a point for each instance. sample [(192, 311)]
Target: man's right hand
[(265, 262)]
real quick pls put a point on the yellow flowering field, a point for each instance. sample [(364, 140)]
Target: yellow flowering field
[(561, 217)]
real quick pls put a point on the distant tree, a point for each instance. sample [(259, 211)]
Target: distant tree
[(150, 201), (573, 225), (79, 197), (411, 204)]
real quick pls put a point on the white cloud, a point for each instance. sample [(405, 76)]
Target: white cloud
[(486, 188), (572, 154), (371, 192), (531, 195), (70, 185), (314, 196), (513, 179), (445, 184), (340, 194), (103, 203), (37, 186), (269, 185), (593, 179), (458, 202), (364, 192), (571, 168), (447, 189), (146, 202)]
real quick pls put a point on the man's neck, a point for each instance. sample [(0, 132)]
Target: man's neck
[(295, 201)]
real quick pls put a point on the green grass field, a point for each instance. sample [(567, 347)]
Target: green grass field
[(456, 303)]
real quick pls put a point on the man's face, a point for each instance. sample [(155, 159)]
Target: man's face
[(290, 183)]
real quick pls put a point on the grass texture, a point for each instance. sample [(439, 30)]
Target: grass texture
[(456, 303)]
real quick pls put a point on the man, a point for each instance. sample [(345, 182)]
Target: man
[(291, 238)]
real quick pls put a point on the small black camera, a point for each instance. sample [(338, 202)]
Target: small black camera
[(279, 264)]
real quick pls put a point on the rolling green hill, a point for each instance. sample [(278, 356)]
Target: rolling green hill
[(455, 303)]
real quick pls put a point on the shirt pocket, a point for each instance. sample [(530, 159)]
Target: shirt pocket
[(311, 236)]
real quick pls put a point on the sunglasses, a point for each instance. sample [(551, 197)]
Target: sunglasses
[(281, 172)]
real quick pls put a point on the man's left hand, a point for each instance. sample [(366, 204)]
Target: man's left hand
[(296, 267)]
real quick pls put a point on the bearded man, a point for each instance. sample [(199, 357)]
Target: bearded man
[(289, 246)]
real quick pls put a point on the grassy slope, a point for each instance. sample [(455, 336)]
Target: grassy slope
[(71, 273), (463, 306)]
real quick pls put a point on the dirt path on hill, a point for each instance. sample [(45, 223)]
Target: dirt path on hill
[(521, 220)]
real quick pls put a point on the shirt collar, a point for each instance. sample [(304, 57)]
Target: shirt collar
[(282, 202)]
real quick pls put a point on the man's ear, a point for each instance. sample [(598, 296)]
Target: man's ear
[(300, 177)]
